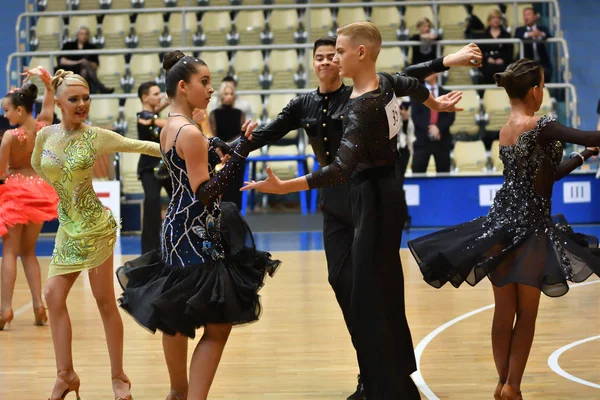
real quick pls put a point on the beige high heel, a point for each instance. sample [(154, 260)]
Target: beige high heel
[(498, 391), (510, 393), (40, 316), (123, 378), (72, 386), (6, 319)]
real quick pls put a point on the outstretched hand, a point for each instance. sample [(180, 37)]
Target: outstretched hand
[(445, 103), (272, 184), (37, 71), (469, 56)]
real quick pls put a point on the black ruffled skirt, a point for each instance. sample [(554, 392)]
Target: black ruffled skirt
[(182, 299), (545, 259)]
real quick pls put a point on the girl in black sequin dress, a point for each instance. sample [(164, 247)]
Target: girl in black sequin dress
[(518, 245), (367, 159), (204, 276)]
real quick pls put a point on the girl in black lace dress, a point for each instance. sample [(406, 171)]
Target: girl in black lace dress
[(203, 276), (517, 245)]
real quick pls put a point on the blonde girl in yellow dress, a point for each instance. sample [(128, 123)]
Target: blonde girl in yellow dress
[(64, 156)]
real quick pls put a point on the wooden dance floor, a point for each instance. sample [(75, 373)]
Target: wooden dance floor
[(300, 348)]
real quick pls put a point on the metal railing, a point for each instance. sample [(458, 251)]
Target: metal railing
[(52, 54), (19, 35)]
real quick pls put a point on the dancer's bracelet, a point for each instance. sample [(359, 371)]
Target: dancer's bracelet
[(579, 155)]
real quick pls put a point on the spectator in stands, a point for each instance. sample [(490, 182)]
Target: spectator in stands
[(226, 123), (85, 65), (239, 103), (535, 50), (406, 140), (426, 51), (496, 57), (201, 118), (148, 127), (432, 132)]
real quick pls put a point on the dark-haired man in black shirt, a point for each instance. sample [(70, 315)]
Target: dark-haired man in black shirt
[(148, 127), (320, 114)]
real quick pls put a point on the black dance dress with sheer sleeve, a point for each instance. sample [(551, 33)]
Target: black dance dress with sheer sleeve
[(208, 270), (518, 241), (366, 160)]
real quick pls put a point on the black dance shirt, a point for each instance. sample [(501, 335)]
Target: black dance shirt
[(150, 133), (321, 115), (372, 123)]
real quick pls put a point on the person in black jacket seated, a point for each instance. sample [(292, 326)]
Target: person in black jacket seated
[(226, 122), (426, 51), (320, 114), (83, 64), (496, 57), (535, 50), (148, 127)]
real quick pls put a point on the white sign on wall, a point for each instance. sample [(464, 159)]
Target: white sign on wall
[(412, 195), (487, 194), (109, 193), (577, 192)]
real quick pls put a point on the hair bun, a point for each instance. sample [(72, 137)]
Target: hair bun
[(29, 91), (58, 78), (502, 78), (171, 58)]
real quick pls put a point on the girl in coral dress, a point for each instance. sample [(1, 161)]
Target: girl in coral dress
[(26, 201)]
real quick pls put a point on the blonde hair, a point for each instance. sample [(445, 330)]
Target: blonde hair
[(494, 13), (68, 78), (365, 33), (223, 86), (424, 20)]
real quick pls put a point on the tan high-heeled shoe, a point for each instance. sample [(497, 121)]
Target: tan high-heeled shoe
[(40, 316), (510, 393), (71, 386), (498, 391), (6, 319), (123, 378)]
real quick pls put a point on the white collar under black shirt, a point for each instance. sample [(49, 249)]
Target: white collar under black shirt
[(433, 89)]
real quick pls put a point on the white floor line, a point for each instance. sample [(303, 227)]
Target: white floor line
[(553, 362), (420, 349)]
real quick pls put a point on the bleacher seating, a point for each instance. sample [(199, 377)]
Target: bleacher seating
[(259, 69)]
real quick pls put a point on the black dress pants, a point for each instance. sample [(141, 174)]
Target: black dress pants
[(152, 214), (380, 329)]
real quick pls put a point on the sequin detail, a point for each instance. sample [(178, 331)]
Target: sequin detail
[(191, 230), (20, 133), (518, 207), (87, 230), (367, 142)]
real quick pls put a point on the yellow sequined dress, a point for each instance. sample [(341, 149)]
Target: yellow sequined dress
[(87, 230)]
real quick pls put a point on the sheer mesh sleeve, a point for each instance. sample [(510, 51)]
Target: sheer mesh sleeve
[(339, 171), (36, 155), (553, 130), (111, 142), (566, 167), (208, 191)]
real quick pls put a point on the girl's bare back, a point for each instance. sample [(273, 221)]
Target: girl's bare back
[(515, 126)]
